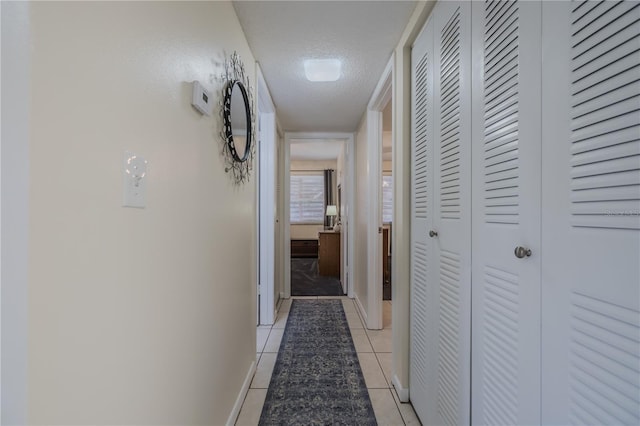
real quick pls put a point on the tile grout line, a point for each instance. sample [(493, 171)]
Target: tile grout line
[(390, 386), (397, 407)]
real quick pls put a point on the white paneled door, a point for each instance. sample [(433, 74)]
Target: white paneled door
[(506, 206), (591, 213), (451, 230), (422, 373), (441, 217)]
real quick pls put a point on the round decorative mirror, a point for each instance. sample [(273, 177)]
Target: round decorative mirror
[(237, 120), (236, 111)]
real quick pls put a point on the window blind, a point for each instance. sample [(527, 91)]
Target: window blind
[(387, 198), (307, 198)]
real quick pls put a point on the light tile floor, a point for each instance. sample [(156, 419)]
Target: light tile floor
[(374, 353)]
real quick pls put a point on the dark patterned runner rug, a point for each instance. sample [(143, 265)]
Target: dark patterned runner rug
[(317, 378)]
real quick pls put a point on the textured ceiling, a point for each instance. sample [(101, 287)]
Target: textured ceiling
[(282, 34)]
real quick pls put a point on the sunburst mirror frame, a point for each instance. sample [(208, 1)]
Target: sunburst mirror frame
[(235, 76)]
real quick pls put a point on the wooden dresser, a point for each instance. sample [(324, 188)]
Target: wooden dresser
[(329, 253), (304, 248)]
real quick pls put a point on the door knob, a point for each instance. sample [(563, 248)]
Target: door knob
[(433, 233), (522, 252)]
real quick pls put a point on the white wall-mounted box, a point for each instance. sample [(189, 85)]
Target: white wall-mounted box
[(201, 99)]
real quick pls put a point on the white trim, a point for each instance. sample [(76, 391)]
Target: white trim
[(233, 416), (256, 133), (374, 220), (403, 392), (265, 103), (300, 136), (286, 217), (383, 92), (266, 193), (350, 165), (361, 310), (280, 246), (382, 95)]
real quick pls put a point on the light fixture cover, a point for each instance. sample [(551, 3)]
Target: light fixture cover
[(322, 69), (332, 210)]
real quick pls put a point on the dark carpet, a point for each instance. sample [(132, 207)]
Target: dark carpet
[(317, 379), (305, 280)]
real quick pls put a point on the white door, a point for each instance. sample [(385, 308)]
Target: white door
[(452, 207), (440, 374), (267, 215), (422, 372), (506, 206), (591, 213)]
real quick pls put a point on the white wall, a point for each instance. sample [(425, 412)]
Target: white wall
[(135, 316), (387, 139), (361, 268), (14, 211), (340, 167), (316, 165), (305, 232)]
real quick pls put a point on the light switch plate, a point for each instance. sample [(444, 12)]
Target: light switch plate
[(134, 173)]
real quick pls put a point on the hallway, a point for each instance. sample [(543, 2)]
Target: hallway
[(140, 246), (374, 354)]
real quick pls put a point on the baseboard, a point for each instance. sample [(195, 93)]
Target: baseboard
[(403, 393), (242, 395), (361, 311)]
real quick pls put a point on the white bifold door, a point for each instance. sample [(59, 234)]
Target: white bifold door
[(591, 213), (506, 213), (525, 243), (441, 217)]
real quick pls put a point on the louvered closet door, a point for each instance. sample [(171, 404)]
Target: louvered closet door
[(506, 206), (422, 374), (591, 213), (452, 212)]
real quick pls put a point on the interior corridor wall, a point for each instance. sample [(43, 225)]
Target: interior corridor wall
[(136, 316), (361, 267)]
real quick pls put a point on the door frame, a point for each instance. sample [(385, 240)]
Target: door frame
[(349, 165), (266, 165), (382, 95)]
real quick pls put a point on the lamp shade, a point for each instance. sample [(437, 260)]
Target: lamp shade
[(332, 210)]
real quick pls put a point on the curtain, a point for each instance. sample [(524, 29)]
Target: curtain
[(328, 194)]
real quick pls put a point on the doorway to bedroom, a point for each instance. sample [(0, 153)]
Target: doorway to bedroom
[(315, 231), (318, 215)]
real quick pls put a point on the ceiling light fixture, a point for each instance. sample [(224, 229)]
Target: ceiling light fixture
[(322, 69)]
